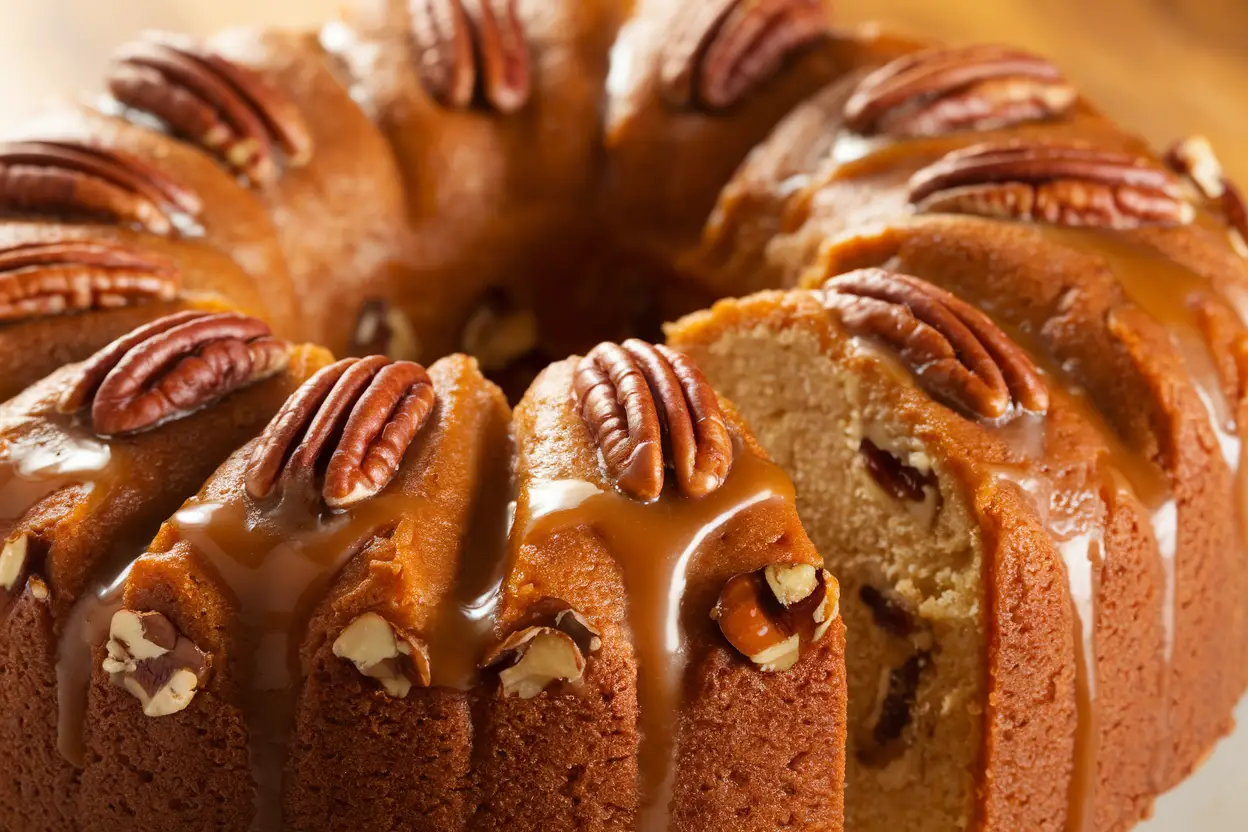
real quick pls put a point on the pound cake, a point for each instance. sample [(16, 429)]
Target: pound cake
[(954, 358)]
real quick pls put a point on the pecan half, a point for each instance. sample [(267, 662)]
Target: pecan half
[(637, 399), (227, 109), (465, 49), (42, 279), (945, 90), (171, 368), (71, 179), (151, 660), (531, 658), (768, 615), (1194, 158), (1073, 185), (355, 420), (956, 351), (721, 49)]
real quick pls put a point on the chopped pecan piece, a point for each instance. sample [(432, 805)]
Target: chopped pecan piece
[(894, 710), (500, 332), (150, 659), (227, 109), (381, 651), (721, 49), (43, 279), (531, 658), (171, 368), (460, 51), (13, 561), (620, 390), (890, 610), (768, 615), (355, 420), (1073, 185), (1194, 158), (956, 351), (70, 179), (945, 90), (897, 478), (382, 329)]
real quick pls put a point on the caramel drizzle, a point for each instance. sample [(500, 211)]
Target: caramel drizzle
[(654, 544), (63, 454), (277, 565)]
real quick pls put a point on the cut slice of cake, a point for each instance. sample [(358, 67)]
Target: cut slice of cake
[(1001, 582)]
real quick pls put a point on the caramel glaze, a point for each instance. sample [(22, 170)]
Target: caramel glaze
[(1084, 485), (265, 588), (972, 256), (647, 575), (862, 185), (88, 504), (436, 576), (245, 579)]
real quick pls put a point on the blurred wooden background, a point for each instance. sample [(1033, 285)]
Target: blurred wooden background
[(1164, 67)]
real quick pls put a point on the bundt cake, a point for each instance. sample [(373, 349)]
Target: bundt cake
[(972, 377)]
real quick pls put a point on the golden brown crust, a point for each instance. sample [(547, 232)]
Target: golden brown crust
[(610, 719), (410, 578), (339, 217), (78, 530)]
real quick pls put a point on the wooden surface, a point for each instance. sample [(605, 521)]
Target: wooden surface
[(1164, 67)]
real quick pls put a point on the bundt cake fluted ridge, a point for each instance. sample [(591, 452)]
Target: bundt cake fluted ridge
[(997, 343)]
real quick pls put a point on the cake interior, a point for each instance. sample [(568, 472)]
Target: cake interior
[(910, 570)]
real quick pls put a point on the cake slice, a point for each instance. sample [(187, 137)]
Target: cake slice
[(91, 459), (669, 651), (308, 601), (1002, 584)]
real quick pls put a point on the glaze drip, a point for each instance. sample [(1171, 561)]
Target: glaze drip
[(656, 546), (275, 564)]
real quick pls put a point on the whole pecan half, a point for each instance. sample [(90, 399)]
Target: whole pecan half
[(41, 279), (1061, 184), (466, 47), (945, 90), (355, 420), (721, 49), (1194, 158), (171, 368), (637, 399), (956, 351), (228, 109), (71, 179)]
